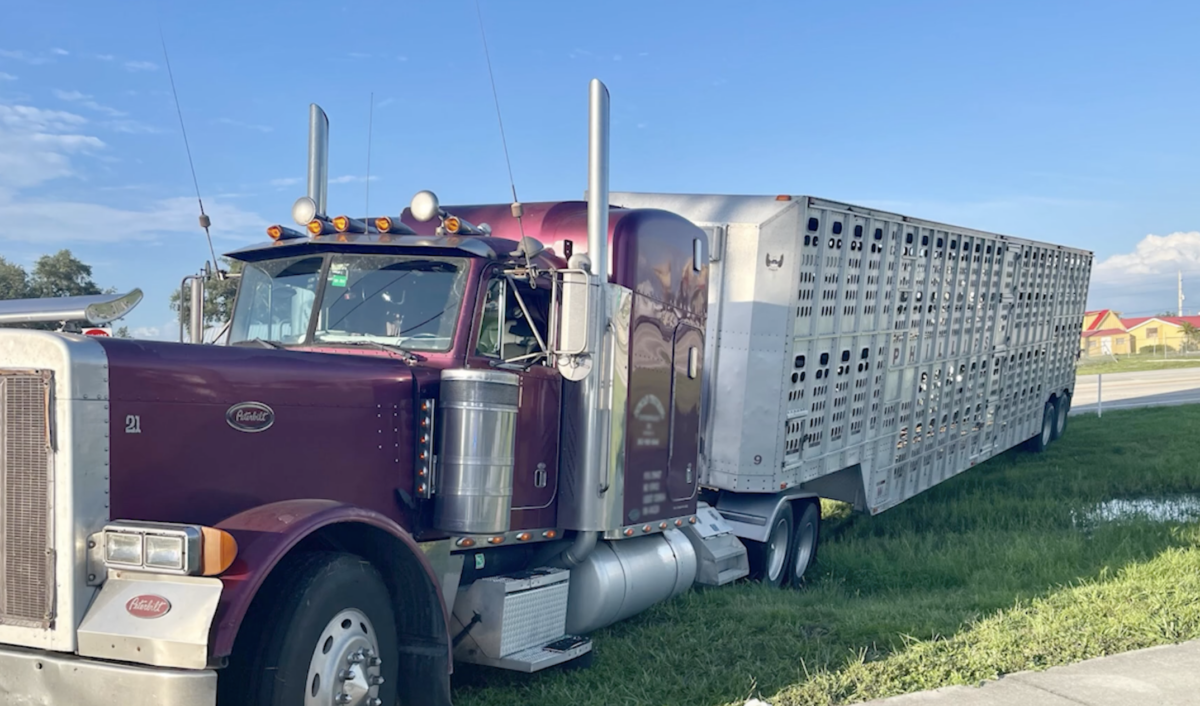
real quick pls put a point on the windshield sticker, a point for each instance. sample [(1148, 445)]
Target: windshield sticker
[(337, 274)]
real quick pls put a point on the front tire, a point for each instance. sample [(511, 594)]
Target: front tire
[(769, 559), (804, 541), (326, 638)]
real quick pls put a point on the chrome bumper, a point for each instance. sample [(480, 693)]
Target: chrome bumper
[(33, 678)]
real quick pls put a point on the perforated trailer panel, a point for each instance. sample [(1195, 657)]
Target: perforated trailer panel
[(896, 351)]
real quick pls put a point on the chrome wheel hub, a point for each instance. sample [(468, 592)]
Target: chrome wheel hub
[(777, 550), (345, 665)]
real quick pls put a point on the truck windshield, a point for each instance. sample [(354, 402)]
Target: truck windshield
[(399, 300)]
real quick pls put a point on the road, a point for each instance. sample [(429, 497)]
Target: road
[(1153, 388)]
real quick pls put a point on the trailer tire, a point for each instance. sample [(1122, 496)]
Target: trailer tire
[(805, 538), (1045, 435), (1061, 409), (769, 560), (330, 609)]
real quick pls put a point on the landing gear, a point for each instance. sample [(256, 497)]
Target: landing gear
[(769, 559), (330, 640)]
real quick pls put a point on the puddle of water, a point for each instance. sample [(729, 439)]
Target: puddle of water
[(1178, 509)]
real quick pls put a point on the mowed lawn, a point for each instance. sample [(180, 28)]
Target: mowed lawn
[(1135, 363), (1020, 563)]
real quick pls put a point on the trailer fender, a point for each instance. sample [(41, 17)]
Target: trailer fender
[(266, 534), (751, 515)]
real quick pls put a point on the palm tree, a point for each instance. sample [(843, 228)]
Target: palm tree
[(1191, 334)]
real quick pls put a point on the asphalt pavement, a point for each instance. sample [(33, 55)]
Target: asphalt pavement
[(1153, 388)]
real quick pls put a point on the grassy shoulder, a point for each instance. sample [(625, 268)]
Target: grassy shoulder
[(1006, 567), (1134, 364)]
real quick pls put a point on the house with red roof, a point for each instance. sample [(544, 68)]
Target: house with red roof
[(1105, 334)]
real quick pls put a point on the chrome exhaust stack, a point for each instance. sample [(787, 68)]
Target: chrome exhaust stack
[(318, 157)]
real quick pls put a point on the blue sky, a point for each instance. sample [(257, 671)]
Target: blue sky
[(1072, 122)]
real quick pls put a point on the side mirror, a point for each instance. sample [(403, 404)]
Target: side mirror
[(572, 323)]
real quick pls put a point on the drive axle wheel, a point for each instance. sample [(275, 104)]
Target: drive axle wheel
[(769, 559), (1061, 409), (326, 636)]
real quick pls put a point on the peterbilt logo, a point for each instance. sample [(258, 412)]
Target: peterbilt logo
[(250, 416), (148, 606)]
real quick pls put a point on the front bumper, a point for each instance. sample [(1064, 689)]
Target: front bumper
[(34, 678)]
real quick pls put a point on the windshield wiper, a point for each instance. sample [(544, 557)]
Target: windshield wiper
[(408, 356), (259, 342)]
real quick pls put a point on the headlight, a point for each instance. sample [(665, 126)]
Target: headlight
[(168, 548)]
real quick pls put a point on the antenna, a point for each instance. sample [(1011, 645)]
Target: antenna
[(370, 120), (205, 221), (517, 209)]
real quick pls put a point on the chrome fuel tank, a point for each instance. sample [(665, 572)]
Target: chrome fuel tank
[(475, 463)]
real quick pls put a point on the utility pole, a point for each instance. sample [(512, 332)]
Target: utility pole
[(1180, 293)]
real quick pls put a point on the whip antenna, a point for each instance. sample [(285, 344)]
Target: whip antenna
[(517, 209), (370, 120), (205, 221)]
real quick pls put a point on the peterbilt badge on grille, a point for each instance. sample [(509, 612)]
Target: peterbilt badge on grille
[(250, 416), (148, 606)]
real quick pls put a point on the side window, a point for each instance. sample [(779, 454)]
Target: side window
[(489, 328)]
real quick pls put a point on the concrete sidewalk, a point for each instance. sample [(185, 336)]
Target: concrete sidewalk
[(1158, 676)]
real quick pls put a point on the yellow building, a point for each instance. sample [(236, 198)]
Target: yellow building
[(1105, 334), (1169, 331)]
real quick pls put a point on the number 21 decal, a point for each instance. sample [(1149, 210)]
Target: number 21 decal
[(133, 424)]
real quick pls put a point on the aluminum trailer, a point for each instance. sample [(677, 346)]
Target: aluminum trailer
[(867, 356)]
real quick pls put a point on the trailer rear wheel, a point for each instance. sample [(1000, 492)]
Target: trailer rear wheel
[(805, 538), (1061, 408), (329, 638), (769, 559), (1039, 443)]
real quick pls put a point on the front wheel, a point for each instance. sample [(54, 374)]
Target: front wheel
[(769, 559), (327, 639)]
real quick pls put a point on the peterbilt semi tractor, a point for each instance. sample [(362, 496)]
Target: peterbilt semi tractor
[(479, 434)]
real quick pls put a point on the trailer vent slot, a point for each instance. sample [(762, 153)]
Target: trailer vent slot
[(26, 466)]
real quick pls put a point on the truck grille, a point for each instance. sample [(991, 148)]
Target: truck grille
[(26, 483)]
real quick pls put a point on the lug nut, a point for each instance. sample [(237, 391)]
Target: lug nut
[(375, 662), (343, 698), (346, 674), (374, 702), (355, 658), (376, 681)]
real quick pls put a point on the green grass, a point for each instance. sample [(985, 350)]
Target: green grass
[(989, 573), (1136, 363)]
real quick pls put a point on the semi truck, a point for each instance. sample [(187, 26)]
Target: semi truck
[(479, 434)]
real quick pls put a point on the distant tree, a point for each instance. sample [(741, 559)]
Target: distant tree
[(1191, 334), (218, 297), (61, 275), (123, 332), (14, 282)]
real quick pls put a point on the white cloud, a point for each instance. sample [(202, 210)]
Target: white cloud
[(286, 181), (141, 65), (60, 52), (37, 145), (24, 118), (1145, 280), (7, 77), (130, 127), (401, 57), (76, 221), (1155, 256), (358, 55), (105, 57), (351, 179), (23, 56), (248, 126), (87, 102)]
